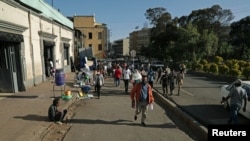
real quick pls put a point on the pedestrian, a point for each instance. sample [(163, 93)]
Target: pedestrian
[(109, 68), (151, 77), (171, 77), (237, 95), (52, 69), (143, 72), (179, 80), (141, 96), (126, 77), (117, 75), (164, 82), (159, 73), (99, 82), (54, 114)]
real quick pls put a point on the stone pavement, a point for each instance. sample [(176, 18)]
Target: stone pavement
[(24, 114)]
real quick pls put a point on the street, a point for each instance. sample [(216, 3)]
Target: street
[(200, 97), (112, 118)]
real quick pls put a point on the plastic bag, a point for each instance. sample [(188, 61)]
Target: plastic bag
[(151, 106)]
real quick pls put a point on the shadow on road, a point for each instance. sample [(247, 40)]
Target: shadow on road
[(33, 117), (120, 122)]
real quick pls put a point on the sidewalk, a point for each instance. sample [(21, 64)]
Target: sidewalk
[(24, 114)]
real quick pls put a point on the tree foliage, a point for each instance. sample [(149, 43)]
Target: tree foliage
[(240, 33), (203, 34)]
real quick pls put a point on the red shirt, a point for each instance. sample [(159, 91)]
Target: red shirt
[(118, 73)]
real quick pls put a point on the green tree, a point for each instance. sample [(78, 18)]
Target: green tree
[(209, 18), (240, 33)]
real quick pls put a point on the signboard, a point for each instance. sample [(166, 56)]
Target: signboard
[(133, 53)]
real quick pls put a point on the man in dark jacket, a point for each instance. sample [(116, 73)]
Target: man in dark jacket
[(54, 114)]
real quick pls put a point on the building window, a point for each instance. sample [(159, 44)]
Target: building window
[(99, 35), (99, 47), (90, 35), (90, 45)]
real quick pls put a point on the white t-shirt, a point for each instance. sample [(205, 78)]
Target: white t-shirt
[(126, 74), (51, 64)]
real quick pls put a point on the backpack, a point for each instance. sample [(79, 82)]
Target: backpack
[(98, 80)]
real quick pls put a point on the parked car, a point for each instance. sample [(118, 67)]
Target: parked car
[(225, 89), (157, 64)]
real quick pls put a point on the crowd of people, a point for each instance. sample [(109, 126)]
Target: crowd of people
[(167, 77), (143, 83), (143, 80)]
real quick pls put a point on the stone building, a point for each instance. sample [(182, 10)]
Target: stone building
[(31, 31)]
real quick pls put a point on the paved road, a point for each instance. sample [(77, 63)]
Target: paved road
[(200, 97), (111, 118)]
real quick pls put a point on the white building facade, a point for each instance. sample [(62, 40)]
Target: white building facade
[(121, 47), (31, 31)]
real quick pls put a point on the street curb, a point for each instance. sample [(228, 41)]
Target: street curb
[(189, 121)]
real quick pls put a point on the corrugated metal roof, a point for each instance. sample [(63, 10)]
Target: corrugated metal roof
[(48, 11)]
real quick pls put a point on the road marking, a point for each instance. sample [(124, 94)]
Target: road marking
[(187, 92)]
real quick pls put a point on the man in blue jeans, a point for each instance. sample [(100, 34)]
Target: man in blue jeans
[(237, 94)]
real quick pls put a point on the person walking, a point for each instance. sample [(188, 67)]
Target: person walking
[(171, 78), (117, 75), (151, 77), (143, 72), (54, 114), (179, 80), (159, 73), (141, 96), (237, 96), (126, 77), (52, 69), (99, 82), (164, 82)]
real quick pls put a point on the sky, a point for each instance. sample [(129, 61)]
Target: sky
[(123, 16)]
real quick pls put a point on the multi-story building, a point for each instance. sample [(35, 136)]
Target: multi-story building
[(139, 38), (95, 34), (121, 47), (31, 32)]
